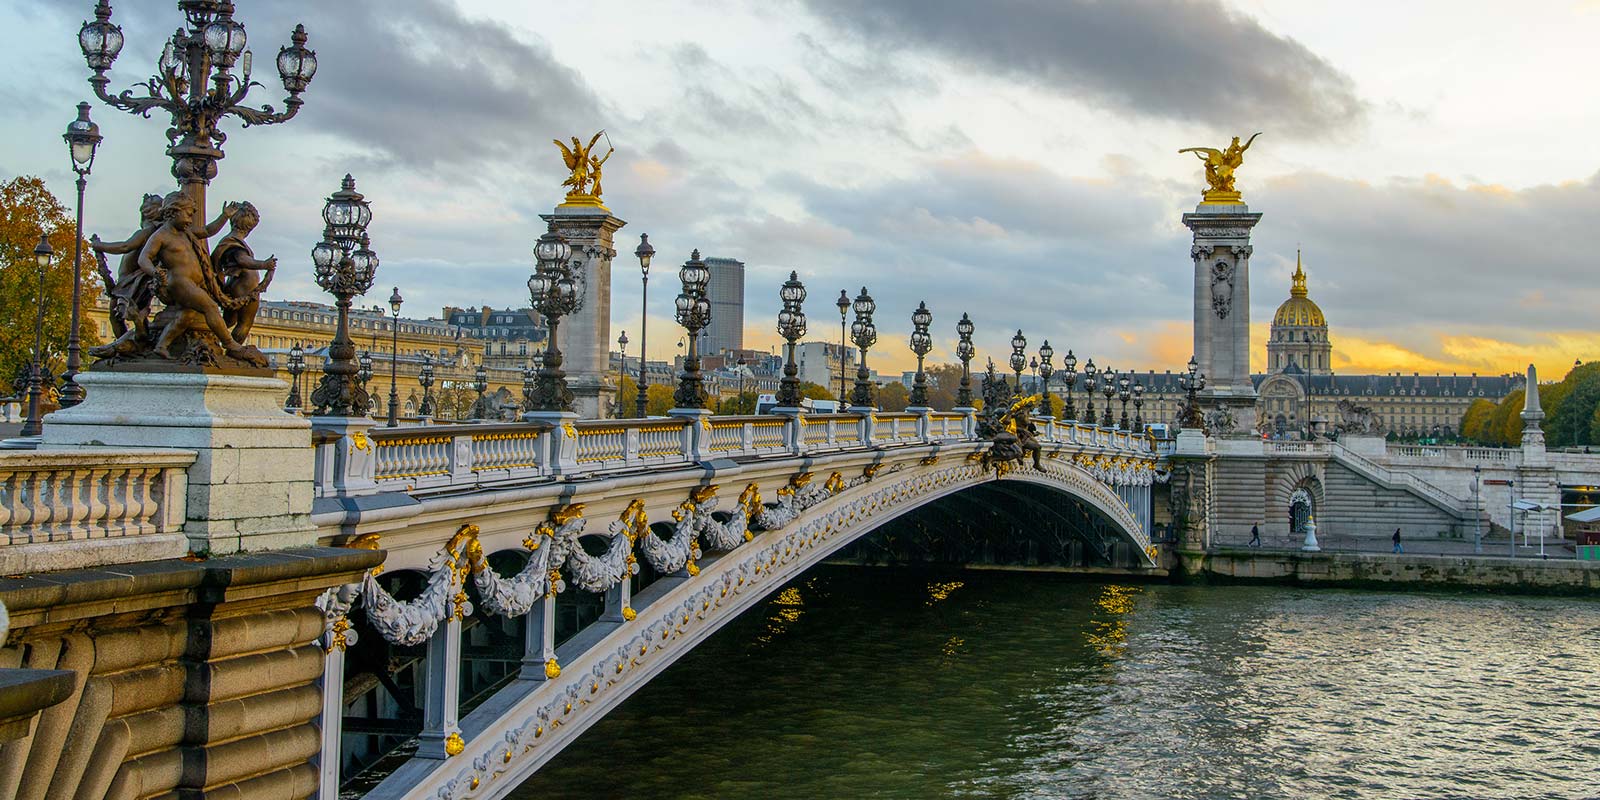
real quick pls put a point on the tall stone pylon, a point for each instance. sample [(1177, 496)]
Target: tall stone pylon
[(585, 336), (1221, 254)]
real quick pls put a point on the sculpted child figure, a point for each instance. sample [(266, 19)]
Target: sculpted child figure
[(132, 290), (237, 265), (174, 252)]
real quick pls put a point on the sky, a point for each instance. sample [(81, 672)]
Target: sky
[(1016, 160)]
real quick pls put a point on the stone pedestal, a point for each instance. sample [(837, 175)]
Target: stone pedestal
[(251, 484), (585, 335), (699, 431), (1221, 254)]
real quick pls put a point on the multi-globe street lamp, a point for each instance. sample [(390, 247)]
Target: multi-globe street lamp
[(364, 372), (480, 382), (344, 267), (425, 379), (645, 253), (1070, 366), (530, 378), (34, 424), (1108, 387), (791, 326), (297, 365), (693, 312), (1046, 369), (1090, 381), (864, 334), (1125, 393), (921, 344), (394, 357), (844, 308), (205, 52), (1192, 382), (965, 351), (1138, 406), (554, 294), (1019, 357), (83, 139)]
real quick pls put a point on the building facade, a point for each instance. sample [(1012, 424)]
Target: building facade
[(726, 293), (820, 363), (509, 338)]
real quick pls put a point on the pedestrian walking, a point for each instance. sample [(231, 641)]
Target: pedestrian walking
[(1396, 538), (1255, 535)]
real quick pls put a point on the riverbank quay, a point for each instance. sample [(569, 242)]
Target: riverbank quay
[(1563, 576)]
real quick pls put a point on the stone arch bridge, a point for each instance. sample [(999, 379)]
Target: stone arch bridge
[(536, 575)]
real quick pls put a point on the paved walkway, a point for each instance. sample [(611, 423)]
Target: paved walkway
[(1495, 547)]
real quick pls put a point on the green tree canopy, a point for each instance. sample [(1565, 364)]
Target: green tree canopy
[(816, 391), (893, 396)]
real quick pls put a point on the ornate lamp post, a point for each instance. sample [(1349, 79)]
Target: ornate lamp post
[(195, 84), (864, 334), (1090, 381), (921, 344), (425, 378), (1046, 369), (1192, 383), (554, 295), (1138, 406), (394, 357), (965, 351), (365, 371), (83, 139), (622, 353), (741, 364), (1070, 365), (1124, 393), (844, 307), (480, 382), (1108, 387), (529, 378), (34, 424), (1019, 357), (297, 365), (693, 313), (791, 326), (644, 252), (345, 266)]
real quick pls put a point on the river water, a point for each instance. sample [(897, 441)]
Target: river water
[(857, 683)]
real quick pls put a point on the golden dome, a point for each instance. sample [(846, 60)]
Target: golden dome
[(1298, 309)]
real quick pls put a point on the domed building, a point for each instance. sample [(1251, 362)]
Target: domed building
[(1299, 332)]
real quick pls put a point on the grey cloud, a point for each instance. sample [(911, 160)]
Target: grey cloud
[(1174, 59)]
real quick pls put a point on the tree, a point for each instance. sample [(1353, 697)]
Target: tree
[(1569, 405), (816, 392), (658, 399), (27, 208), (893, 396), (1477, 416), (944, 382), (738, 404)]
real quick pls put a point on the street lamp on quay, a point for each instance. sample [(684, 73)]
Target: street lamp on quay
[(844, 308), (1019, 357), (740, 364), (791, 326), (1046, 369), (1070, 365), (394, 357), (1090, 381), (921, 344), (554, 294), (965, 351), (202, 53), (480, 382), (622, 353), (1477, 511), (693, 313), (344, 267), (864, 334), (83, 139), (1108, 387), (297, 365), (365, 371), (644, 252), (34, 424)]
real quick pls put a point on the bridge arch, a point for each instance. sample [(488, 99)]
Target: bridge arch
[(509, 738)]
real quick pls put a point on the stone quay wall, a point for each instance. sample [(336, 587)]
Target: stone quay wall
[(1391, 571)]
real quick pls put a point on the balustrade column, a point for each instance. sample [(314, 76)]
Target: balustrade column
[(539, 636), (441, 714), (619, 602)]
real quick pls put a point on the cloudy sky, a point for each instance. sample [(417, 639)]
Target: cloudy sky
[(1013, 159)]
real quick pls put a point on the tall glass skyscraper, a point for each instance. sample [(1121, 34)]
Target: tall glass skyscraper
[(726, 293)]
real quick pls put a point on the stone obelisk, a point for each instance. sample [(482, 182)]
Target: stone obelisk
[(585, 335), (1221, 254)]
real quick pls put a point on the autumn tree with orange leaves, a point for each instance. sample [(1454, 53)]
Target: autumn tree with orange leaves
[(27, 208)]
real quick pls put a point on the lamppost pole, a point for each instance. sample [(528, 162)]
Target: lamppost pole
[(921, 344), (1090, 381), (297, 365), (1070, 364), (425, 378), (1019, 357), (1192, 383), (693, 313), (480, 382), (1108, 387), (844, 307), (344, 266), (645, 253), (83, 139), (394, 358), (1046, 369), (791, 326), (554, 294), (1124, 393), (965, 351), (1138, 405), (622, 369), (864, 334), (740, 365), (34, 424), (1477, 511)]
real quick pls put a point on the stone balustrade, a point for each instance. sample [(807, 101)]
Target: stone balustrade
[(111, 506)]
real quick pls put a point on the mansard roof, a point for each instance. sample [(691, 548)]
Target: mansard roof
[(1391, 385)]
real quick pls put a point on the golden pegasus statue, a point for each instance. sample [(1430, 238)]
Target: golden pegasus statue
[(1220, 166), (584, 169)]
